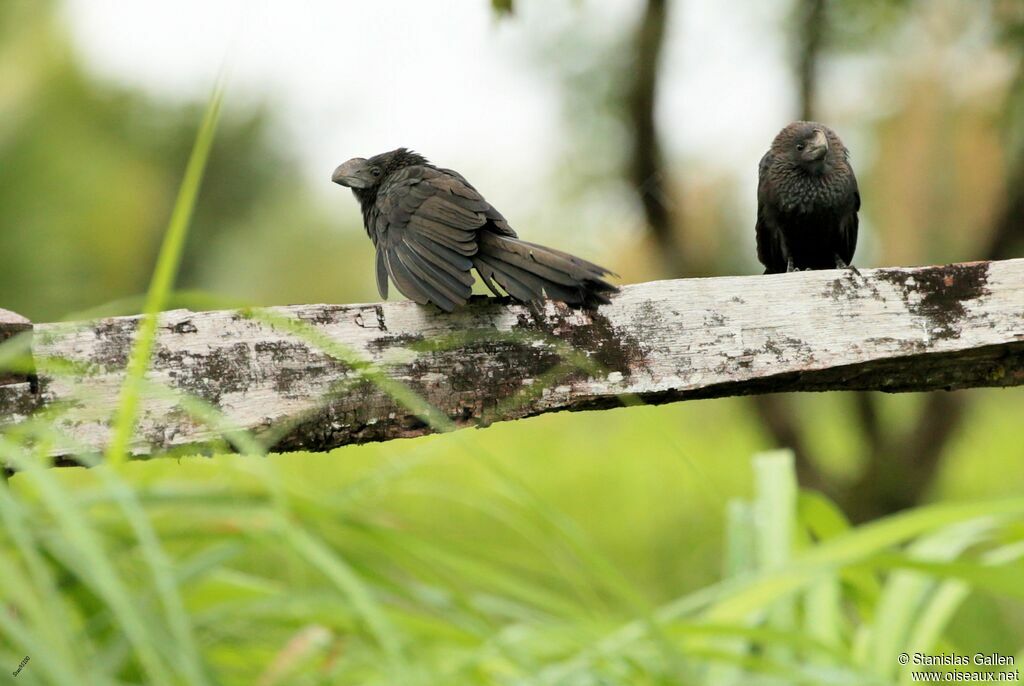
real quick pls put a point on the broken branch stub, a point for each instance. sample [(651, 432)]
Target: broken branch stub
[(17, 396)]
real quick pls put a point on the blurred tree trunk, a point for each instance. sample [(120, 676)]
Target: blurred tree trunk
[(811, 34), (646, 170)]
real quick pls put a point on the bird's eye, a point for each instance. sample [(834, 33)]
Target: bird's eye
[(799, 146), (375, 171)]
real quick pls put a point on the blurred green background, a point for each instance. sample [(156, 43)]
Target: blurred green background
[(501, 555)]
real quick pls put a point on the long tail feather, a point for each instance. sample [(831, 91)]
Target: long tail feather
[(532, 273)]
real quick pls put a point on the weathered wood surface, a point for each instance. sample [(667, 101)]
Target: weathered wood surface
[(17, 389), (906, 329)]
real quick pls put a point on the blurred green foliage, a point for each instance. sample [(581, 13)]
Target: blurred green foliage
[(502, 6), (90, 171)]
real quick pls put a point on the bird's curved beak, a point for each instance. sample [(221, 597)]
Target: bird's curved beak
[(348, 174), (817, 147)]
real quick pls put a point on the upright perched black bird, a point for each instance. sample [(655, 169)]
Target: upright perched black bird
[(431, 227), (807, 201)]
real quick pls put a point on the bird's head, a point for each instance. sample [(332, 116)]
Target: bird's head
[(357, 173), (360, 173), (808, 145)]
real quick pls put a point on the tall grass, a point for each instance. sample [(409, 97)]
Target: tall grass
[(282, 582), (162, 283), (441, 562)]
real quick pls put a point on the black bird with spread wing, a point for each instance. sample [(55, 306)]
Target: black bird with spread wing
[(807, 201), (431, 227)]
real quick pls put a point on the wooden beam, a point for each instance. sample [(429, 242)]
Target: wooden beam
[(906, 329)]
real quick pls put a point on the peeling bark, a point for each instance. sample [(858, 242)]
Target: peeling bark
[(914, 329)]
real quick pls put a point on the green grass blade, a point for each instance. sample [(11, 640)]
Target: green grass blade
[(740, 560), (774, 521), (348, 582), (54, 620), (906, 591), (93, 565), (858, 545), (823, 617), (734, 600), (162, 570), (940, 609), (162, 282)]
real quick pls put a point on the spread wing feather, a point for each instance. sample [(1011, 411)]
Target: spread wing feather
[(428, 282), (532, 272), (438, 278), (428, 234), (431, 228), (442, 257), (505, 276), (404, 280)]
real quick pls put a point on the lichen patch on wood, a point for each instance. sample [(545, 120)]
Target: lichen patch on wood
[(941, 294)]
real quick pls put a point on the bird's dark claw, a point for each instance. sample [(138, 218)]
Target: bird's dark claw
[(841, 264)]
